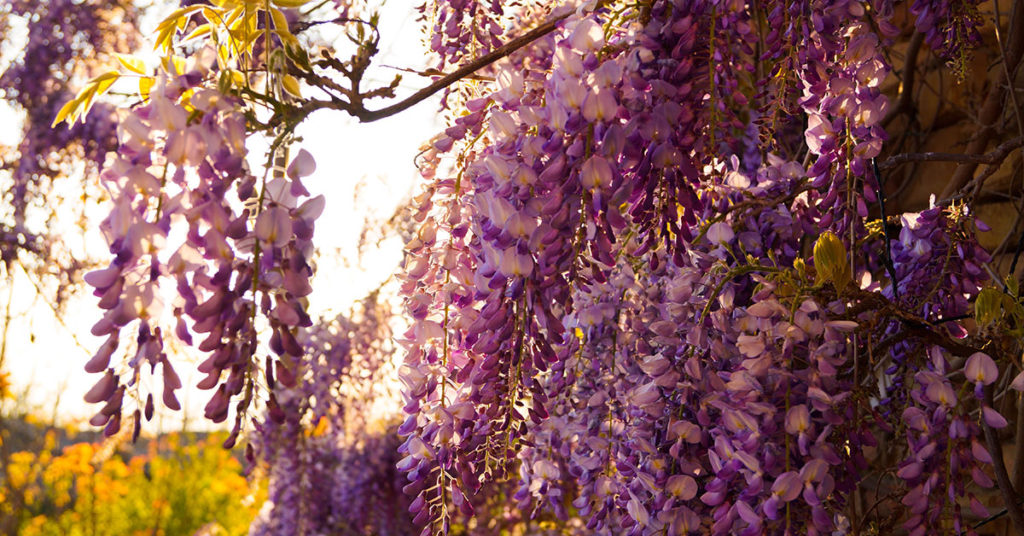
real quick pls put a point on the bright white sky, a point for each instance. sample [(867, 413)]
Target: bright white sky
[(47, 355)]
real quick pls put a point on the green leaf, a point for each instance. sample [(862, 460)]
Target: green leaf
[(988, 306), (1012, 286)]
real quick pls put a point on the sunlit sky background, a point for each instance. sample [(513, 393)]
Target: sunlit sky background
[(45, 355)]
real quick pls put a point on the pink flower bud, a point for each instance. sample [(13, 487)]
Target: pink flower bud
[(599, 105), (596, 173), (515, 264), (274, 226), (312, 208), (682, 486), (645, 395), (798, 419), (101, 360), (750, 345), (981, 369), (587, 36), (720, 233), (787, 487), (910, 471), (979, 452), (941, 393), (498, 169), (993, 418), (302, 165), (637, 511), (217, 408), (103, 278), (1018, 382), (170, 401), (103, 388)]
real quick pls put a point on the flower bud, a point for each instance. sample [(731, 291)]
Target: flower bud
[(831, 262)]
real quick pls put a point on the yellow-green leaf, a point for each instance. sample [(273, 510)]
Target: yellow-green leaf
[(85, 97), (104, 81), (290, 3), (64, 111), (186, 99), (174, 64), (131, 63), (171, 18), (281, 27), (170, 25), (145, 85), (200, 31), (96, 87), (291, 85), (164, 38), (232, 16), (830, 260), (223, 55), (988, 306), (109, 75), (237, 77)]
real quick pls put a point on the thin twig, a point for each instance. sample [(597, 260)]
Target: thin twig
[(889, 266), (56, 313), (1016, 255), (7, 322), (994, 517), (994, 157), (904, 103), (1018, 463)]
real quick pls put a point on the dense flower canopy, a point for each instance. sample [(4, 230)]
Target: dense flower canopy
[(652, 285)]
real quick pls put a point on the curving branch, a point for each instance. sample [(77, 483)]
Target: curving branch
[(356, 109), (904, 103)]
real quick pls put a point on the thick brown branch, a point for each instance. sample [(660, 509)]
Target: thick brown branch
[(913, 326), (904, 104)]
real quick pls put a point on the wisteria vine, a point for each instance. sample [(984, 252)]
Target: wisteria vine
[(653, 287)]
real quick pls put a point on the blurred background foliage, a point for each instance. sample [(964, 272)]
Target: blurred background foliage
[(176, 484)]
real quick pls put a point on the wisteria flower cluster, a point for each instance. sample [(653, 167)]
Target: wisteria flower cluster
[(177, 164), (652, 287), (635, 320), (327, 441)]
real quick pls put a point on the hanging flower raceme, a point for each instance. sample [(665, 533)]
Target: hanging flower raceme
[(844, 107), (464, 29), (329, 450), (949, 28), (182, 156)]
